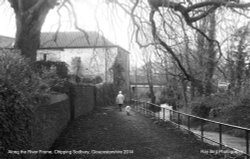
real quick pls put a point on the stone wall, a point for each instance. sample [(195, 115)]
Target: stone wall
[(85, 98), (50, 120)]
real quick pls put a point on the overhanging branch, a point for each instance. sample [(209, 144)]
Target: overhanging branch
[(162, 43)]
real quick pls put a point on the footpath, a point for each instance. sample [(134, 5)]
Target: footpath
[(229, 140), (111, 134)]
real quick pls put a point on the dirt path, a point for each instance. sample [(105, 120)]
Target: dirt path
[(135, 136)]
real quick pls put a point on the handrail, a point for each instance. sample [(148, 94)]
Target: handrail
[(220, 124), (204, 119)]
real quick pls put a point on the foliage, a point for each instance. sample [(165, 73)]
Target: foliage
[(224, 108), (95, 80), (168, 95), (105, 94), (16, 72), (210, 105), (118, 76), (21, 89), (47, 70), (61, 67), (200, 108), (236, 112), (15, 118)]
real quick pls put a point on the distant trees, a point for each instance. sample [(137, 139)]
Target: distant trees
[(30, 16), (118, 77), (171, 27), (238, 59), (148, 68), (184, 33)]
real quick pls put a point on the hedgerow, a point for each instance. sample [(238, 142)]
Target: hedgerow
[(21, 91)]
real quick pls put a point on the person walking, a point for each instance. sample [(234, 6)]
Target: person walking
[(120, 100)]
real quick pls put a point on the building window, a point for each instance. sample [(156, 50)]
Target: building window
[(44, 57)]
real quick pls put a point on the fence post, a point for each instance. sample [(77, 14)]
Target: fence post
[(140, 107), (164, 114), (202, 131), (170, 114), (178, 120), (220, 134), (159, 115), (144, 107), (188, 122), (137, 107), (147, 110), (247, 143)]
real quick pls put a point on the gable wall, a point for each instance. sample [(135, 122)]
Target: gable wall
[(94, 61)]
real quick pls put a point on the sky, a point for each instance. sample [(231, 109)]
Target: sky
[(93, 15)]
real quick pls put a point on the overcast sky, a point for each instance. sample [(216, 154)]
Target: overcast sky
[(93, 15)]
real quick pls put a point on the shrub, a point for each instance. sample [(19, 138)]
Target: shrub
[(237, 114), (61, 67), (21, 89), (210, 106), (15, 117), (200, 109), (17, 72), (171, 97), (105, 94)]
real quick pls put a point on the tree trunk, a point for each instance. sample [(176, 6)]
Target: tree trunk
[(150, 81), (184, 93), (210, 64), (152, 94), (240, 63), (30, 16)]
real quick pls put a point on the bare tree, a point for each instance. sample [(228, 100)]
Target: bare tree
[(163, 12), (30, 16), (148, 68), (237, 56)]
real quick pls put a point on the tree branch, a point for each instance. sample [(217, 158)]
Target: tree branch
[(76, 21), (185, 10), (154, 32)]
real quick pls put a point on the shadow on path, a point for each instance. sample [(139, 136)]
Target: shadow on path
[(120, 136)]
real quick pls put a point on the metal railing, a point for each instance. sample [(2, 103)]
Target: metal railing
[(176, 116)]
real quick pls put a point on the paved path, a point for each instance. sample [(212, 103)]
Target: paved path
[(129, 137), (229, 140)]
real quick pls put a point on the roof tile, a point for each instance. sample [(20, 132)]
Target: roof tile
[(73, 39)]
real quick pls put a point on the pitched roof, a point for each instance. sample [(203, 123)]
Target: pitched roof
[(78, 39), (6, 42)]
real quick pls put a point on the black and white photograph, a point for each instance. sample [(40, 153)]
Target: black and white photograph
[(124, 79)]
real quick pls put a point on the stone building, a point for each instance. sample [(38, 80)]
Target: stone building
[(97, 55)]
